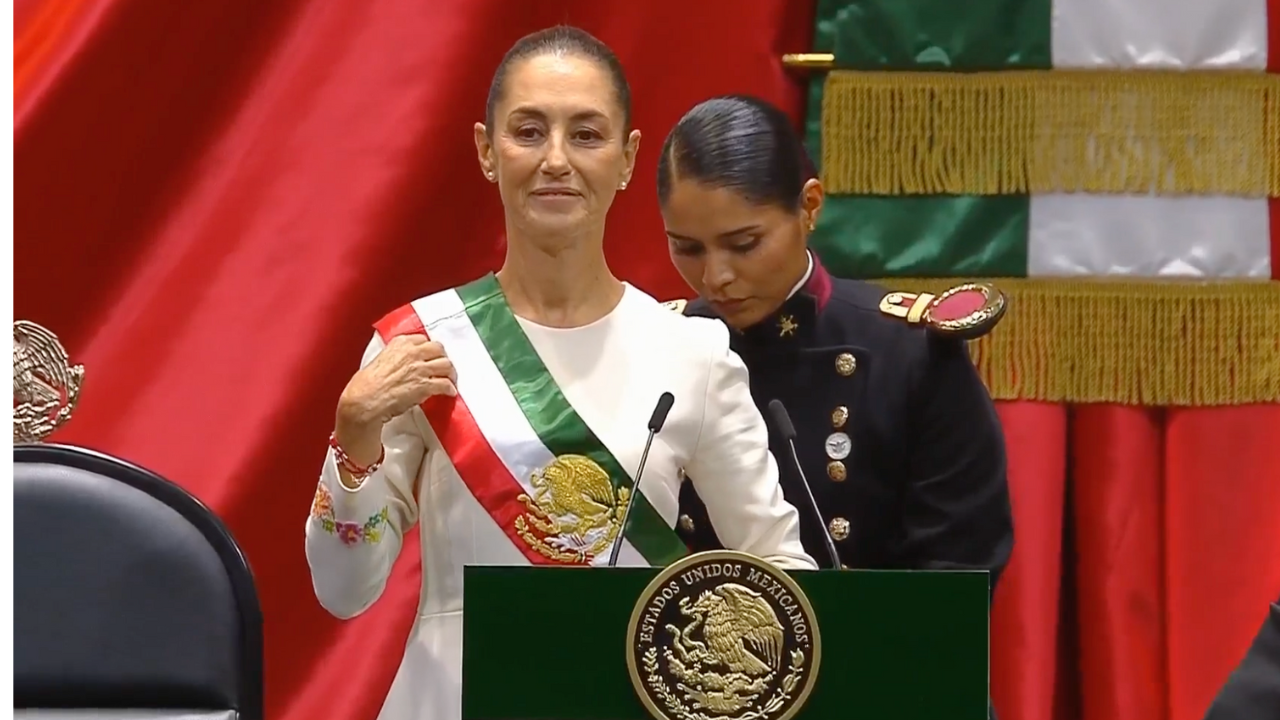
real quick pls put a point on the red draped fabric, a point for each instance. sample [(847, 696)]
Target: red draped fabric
[(1146, 556), (213, 200)]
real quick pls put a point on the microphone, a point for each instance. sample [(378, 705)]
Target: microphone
[(656, 421), (782, 421)]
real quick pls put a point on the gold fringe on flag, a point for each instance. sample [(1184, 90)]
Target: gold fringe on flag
[(1052, 131), (1150, 343)]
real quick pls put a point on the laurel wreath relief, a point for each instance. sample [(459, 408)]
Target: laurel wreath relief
[(678, 709)]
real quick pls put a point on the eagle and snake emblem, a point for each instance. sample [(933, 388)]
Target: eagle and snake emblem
[(46, 386), (574, 508), (723, 636)]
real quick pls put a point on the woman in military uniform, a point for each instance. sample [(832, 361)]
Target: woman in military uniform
[(895, 432)]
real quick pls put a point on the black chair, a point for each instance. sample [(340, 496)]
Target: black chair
[(131, 599), (1252, 691)]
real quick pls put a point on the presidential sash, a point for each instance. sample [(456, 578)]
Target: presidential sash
[(521, 449)]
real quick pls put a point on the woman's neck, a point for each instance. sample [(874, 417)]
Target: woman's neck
[(565, 287)]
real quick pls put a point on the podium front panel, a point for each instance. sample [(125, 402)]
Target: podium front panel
[(550, 643)]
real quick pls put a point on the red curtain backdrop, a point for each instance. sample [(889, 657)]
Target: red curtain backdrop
[(213, 200), (1147, 551)]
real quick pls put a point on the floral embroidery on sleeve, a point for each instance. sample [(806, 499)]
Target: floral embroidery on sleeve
[(350, 533)]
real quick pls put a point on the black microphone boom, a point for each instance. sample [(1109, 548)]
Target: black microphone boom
[(656, 421), (782, 422)]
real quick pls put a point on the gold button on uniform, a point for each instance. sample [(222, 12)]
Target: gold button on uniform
[(839, 528), (846, 364), (686, 523), (839, 417), (836, 471)]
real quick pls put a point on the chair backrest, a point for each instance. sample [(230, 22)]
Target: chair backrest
[(131, 599)]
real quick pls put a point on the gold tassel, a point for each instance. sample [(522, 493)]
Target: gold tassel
[(1052, 131), (1150, 343)]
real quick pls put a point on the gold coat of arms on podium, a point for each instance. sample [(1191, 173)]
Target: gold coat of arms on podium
[(723, 635), (46, 386)]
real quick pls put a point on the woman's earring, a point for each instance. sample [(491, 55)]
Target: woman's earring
[(489, 175), (622, 185)]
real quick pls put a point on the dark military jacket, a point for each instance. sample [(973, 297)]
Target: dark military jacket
[(895, 431), (1253, 689)]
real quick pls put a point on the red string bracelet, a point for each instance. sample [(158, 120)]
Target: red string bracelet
[(357, 472)]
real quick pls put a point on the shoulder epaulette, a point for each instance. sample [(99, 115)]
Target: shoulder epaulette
[(966, 311), (676, 305)]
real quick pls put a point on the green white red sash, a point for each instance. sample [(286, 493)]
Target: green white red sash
[(510, 422)]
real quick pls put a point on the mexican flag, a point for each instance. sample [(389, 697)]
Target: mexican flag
[(1114, 164), (1114, 167)]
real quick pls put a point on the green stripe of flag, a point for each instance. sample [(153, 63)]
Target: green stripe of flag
[(553, 419), (932, 235)]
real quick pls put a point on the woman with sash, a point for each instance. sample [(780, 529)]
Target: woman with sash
[(507, 416)]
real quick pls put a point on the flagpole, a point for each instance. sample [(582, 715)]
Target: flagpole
[(809, 62)]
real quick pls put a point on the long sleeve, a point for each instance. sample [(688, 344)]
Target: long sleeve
[(956, 513), (735, 474), (354, 536)]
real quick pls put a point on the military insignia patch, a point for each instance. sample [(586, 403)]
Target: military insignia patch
[(723, 635), (787, 326), (675, 305), (966, 311)]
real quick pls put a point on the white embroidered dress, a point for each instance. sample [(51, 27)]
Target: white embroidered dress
[(612, 373)]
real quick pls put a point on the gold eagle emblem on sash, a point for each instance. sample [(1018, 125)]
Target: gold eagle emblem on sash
[(574, 507)]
